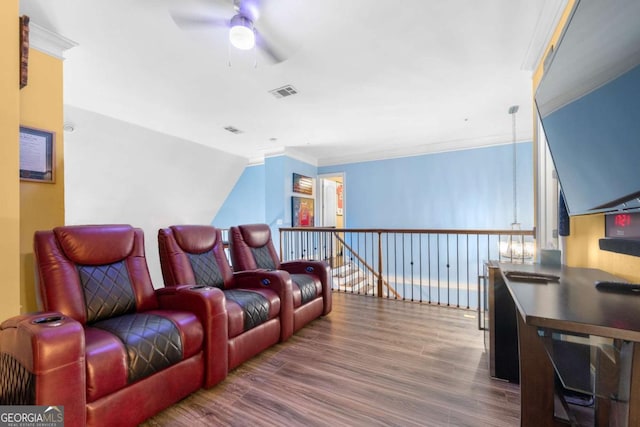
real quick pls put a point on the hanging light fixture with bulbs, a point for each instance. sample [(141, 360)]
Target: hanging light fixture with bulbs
[(512, 247)]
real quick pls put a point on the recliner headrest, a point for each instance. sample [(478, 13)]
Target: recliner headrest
[(195, 239), (95, 244), (255, 235)]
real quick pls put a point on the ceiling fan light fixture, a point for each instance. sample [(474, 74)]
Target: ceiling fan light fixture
[(241, 34)]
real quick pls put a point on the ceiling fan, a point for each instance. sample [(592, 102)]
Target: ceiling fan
[(242, 31)]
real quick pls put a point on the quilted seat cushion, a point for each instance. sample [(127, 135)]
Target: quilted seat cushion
[(263, 258), (205, 269), (107, 290), (155, 340), (305, 288), (242, 312)]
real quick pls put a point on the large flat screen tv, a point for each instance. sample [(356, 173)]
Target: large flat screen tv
[(589, 104)]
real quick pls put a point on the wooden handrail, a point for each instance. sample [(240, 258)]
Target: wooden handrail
[(413, 231)]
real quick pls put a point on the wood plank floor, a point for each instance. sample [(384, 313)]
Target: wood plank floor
[(370, 362)]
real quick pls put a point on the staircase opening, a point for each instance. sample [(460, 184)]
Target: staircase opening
[(331, 203), (331, 210)]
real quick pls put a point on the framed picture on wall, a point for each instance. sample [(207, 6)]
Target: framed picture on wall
[(302, 184), (24, 50), (37, 156), (302, 212)]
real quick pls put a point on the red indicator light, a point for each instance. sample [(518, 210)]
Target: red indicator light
[(623, 220)]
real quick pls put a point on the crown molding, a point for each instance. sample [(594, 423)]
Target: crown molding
[(292, 153), (419, 150), (301, 156), (257, 161), (46, 41), (545, 26)]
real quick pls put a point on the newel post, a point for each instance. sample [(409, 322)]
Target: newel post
[(380, 264)]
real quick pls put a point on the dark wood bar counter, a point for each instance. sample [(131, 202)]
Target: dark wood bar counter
[(568, 303)]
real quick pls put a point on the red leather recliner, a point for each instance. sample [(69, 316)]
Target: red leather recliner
[(252, 248), (108, 347), (259, 304)]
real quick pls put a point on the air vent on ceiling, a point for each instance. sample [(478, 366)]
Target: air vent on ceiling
[(283, 91), (232, 129)]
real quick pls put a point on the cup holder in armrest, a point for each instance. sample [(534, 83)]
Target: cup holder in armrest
[(48, 320)]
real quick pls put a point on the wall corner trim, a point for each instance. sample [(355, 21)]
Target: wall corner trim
[(46, 41)]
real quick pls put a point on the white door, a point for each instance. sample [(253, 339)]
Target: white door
[(329, 203)]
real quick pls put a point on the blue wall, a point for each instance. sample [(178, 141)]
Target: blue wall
[(263, 194), (292, 166), (469, 189), (246, 202), (457, 189)]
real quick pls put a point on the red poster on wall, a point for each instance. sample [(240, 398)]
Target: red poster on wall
[(302, 212)]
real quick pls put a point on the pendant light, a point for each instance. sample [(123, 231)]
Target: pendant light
[(514, 248)]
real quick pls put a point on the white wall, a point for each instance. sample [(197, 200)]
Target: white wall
[(117, 172)]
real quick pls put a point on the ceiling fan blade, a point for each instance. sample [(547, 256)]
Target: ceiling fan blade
[(191, 21), (249, 8), (268, 49)]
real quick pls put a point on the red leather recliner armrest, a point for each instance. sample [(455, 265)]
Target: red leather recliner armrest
[(320, 269), (49, 349), (279, 281), (208, 304)]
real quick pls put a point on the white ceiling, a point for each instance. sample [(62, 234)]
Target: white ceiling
[(375, 79)]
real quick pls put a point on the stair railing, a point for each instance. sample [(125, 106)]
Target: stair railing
[(381, 283), (439, 266)]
